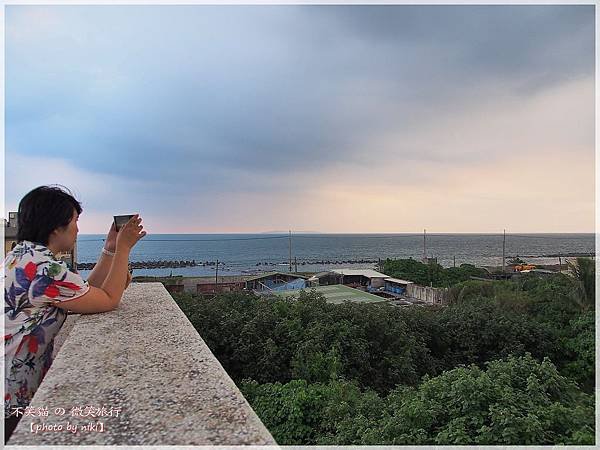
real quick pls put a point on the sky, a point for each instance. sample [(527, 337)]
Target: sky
[(336, 119)]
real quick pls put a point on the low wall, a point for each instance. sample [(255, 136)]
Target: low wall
[(435, 296), (158, 382)]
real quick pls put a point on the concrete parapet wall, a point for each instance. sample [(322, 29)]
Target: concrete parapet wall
[(146, 363)]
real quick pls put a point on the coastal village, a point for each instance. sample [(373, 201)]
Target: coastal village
[(336, 285), (368, 285)]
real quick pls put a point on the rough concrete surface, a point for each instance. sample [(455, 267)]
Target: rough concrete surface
[(62, 335), (146, 361)]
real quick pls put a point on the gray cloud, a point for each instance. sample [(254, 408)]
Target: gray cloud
[(255, 98)]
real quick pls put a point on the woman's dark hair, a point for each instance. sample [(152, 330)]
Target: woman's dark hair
[(43, 210)]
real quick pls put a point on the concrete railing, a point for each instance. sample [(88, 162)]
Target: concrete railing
[(146, 365)]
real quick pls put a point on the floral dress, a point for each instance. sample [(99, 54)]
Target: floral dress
[(34, 282)]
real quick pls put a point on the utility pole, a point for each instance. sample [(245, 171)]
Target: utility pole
[(503, 251), (454, 261), (216, 276), (559, 264), (424, 246), (290, 250)]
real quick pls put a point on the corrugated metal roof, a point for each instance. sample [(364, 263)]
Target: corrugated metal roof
[(369, 273), (398, 280), (321, 274), (270, 274)]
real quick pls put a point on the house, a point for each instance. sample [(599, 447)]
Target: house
[(324, 279), (365, 278), (208, 285), (276, 281), (396, 286), (199, 285)]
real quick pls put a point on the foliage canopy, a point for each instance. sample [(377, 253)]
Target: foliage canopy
[(504, 363)]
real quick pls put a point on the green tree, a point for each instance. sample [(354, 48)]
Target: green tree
[(353, 373), (408, 269), (431, 273), (299, 413), (484, 329), (584, 271), (580, 344), (517, 401)]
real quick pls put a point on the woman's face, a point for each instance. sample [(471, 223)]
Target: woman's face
[(65, 237)]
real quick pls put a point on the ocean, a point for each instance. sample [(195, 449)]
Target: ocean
[(249, 253)]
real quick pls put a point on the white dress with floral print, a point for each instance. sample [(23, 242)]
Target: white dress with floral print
[(34, 282)]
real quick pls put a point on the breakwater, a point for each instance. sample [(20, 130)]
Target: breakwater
[(562, 255), (171, 264), (242, 252), (321, 262), (152, 264)]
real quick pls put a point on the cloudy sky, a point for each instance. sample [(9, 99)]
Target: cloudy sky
[(213, 119)]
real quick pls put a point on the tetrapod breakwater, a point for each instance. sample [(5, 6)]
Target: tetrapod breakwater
[(152, 264)]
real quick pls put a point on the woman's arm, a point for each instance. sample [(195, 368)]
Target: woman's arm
[(102, 267), (108, 296), (100, 271)]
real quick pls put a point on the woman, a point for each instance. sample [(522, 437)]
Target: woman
[(39, 289)]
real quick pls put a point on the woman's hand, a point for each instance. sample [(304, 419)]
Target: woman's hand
[(110, 242), (130, 234)]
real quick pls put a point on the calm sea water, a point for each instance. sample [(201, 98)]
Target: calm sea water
[(240, 253)]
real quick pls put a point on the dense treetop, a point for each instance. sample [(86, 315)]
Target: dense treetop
[(505, 363)]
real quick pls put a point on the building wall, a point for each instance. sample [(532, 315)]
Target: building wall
[(8, 245), (435, 296), (377, 282), (395, 287), (330, 279), (209, 288), (355, 280)]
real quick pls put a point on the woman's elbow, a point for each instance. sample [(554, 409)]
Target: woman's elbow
[(96, 300)]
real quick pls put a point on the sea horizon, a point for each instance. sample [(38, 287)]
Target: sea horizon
[(286, 233), (240, 253)]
